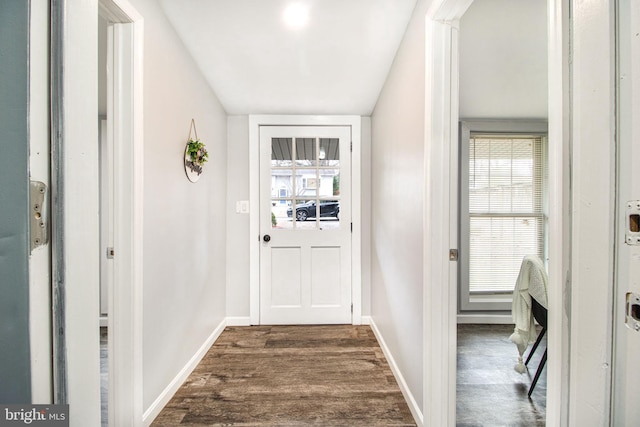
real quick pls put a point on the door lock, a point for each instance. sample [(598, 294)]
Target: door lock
[(266, 238)]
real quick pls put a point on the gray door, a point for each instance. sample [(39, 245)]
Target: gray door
[(15, 374)]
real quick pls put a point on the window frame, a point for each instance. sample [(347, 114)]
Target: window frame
[(491, 302)]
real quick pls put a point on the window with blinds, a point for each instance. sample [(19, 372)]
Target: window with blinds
[(505, 209)]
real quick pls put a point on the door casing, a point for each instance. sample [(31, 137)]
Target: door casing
[(77, 50), (255, 121), (124, 110), (440, 225)]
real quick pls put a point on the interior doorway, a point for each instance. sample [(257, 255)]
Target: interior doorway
[(441, 162)]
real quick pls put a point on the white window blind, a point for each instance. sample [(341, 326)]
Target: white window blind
[(506, 217)]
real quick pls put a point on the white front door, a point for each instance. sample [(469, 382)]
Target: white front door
[(305, 224), (626, 385)]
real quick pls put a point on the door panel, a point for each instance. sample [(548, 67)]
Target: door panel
[(625, 408), (286, 270), (325, 283), (305, 206)]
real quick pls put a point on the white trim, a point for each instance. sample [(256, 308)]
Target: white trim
[(559, 212), (487, 319), (156, 407), (125, 296), (39, 147), (593, 153), (366, 320), (255, 121), (440, 278), (404, 388), (238, 321)]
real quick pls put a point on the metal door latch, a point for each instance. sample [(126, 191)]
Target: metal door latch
[(632, 223), (38, 215)]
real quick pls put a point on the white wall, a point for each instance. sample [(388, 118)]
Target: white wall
[(397, 175), (237, 224), (185, 223), (503, 59), (365, 206)]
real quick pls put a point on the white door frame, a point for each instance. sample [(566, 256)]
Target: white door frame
[(255, 121), (125, 117), (80, 208), (440, 224), (39, 170)]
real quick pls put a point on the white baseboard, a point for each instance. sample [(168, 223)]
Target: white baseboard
[(404, 388), (493, 319), (239, 321), (156, 407), (365, 320)]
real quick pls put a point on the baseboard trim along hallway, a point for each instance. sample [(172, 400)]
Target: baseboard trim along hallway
[(156, 407), (404, 388)]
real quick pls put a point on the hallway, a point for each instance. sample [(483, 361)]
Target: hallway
[(290, 375)]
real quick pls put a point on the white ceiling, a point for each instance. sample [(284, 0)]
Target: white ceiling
[(337, 64)]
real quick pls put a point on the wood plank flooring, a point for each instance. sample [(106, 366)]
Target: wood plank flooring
[(290, 376), (489, 391)]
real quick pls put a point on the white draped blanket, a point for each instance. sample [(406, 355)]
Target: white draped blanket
[(531, 283)]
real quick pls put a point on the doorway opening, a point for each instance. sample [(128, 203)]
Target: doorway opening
[(442, 207)]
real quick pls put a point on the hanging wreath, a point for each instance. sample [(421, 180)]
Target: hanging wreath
[(195, 154)]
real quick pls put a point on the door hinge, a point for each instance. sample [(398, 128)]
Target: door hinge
[(351, 308), (351, 146), (352, 227)]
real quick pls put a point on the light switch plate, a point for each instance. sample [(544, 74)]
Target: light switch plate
[(242, 206)]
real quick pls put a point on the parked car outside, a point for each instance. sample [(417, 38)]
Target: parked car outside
[(328, 208)]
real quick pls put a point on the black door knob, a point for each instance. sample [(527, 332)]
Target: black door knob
[(266, 238)]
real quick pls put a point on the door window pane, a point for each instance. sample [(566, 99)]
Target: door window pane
[(306, 152), (305, 192), (329, 152), (281, 152), (281, 214), (282, 185)]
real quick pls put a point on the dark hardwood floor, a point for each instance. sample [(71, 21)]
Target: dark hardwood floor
[(489, 391), (290, 376)]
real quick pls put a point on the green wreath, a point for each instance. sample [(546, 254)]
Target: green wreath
[(197, 152)]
